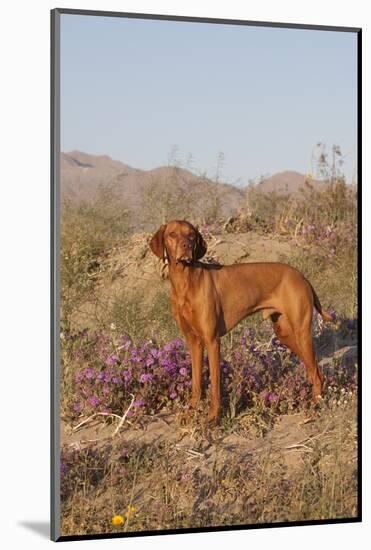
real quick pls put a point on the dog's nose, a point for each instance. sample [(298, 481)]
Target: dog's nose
[(186, 245)]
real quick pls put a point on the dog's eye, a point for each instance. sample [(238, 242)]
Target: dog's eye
[(172, 234)]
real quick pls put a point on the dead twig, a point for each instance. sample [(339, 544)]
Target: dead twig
[(297, 447), (90, 418), (122, 420), (191, 452), (297, 228)]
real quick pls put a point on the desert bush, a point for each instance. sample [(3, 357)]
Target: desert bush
[(328, 257), (330, 206), (128, 314), (328, 209), (160, 322), (139, 316), (335, 204), (82, 469), (174, 197), (333, 275), (264, 209), (165, 198), (88, 231)]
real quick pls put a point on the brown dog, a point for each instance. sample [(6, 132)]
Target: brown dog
[(209, 300)]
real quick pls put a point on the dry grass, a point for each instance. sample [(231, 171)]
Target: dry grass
[(175, 485)]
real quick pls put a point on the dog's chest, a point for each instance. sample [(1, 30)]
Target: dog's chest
[(185, 310), (184, 300)]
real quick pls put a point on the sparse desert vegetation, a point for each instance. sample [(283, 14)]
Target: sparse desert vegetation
[(125, 364)]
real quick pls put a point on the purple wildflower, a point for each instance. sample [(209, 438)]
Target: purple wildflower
[(351, 324), (94, 401), (146, 377), (112, 360), (272, 397), (127, 376), (178, 343), (186, 476), (139, 403), (77, 407), (225, 366), (269, 397), (88, 372)]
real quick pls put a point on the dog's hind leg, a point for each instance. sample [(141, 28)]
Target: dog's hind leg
[(307, 355), (300, 342)]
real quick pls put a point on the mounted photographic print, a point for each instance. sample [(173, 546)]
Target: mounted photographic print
[(205, 194)]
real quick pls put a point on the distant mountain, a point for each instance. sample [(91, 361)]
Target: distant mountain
[(166, 188), (82, 175), (289, 182)]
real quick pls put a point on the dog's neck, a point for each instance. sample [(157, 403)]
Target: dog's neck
[(179, 275)]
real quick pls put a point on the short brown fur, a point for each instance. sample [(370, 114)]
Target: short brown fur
[(209, 300)]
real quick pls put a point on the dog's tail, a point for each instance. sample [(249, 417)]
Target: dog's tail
[(317, 304)]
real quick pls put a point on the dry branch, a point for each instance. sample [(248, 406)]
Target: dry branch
[(92, 418), (122, 420)]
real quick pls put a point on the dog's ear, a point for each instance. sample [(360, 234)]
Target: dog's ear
[(157, 244), (200, 246)]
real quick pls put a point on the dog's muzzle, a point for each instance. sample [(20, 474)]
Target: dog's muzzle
[(184, 259)]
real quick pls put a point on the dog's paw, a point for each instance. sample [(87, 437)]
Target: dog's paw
[(213, 417), (194, 402)]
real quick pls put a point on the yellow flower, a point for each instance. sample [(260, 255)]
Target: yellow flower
[(117, 520), (223, 481)]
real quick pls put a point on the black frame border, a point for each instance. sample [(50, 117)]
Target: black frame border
[(55, 276)]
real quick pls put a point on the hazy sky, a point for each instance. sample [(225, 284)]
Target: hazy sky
[(135, 89)]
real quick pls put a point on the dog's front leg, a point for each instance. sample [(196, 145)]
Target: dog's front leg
[(213, 350), (197, 350)]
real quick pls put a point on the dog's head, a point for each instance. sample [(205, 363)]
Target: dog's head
[(179, 241)]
